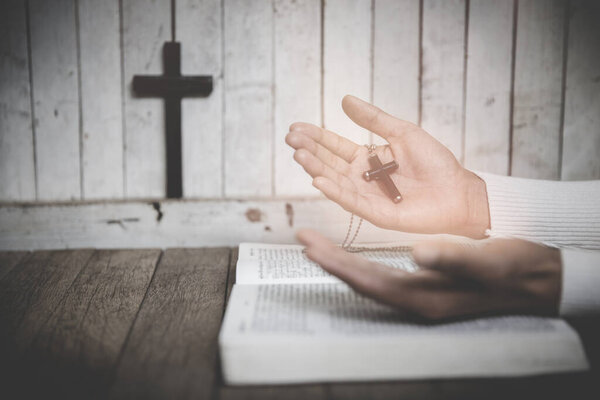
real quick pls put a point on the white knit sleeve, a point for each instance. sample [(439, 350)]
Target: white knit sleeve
[(561, 214), (580, 282), (558, 213)]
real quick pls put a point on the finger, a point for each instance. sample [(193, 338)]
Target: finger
[(346, 197), (368, 278), (451, 302), (315, 167), (458, 259), (342, 147), (374, 119), (299, 141), (429, 294)]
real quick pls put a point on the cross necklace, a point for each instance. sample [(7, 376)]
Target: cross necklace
[(379, 172)]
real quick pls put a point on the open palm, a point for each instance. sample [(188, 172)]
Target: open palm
[(439, 195)]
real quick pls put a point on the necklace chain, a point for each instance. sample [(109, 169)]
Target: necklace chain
[(347, 245)]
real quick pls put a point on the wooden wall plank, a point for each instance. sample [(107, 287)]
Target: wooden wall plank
[(538, 89), (17, 172), (489, 73), (191, 223), (248, 34), (146, 26), (9, 259), (443, 71), (396, 59), (297, 86), (172, 349), (56, 99), (581, 138), (101, 100), (346, 62), (200, 32), (75, 353)]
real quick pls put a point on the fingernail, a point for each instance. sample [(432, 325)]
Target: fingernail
[(426, 255), (292, 139), (296, 127)]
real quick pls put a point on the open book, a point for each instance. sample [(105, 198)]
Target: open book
[(288, 321)]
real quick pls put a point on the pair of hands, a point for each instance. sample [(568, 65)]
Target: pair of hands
[(439, 196)]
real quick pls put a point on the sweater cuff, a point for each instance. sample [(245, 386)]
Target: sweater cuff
[(580, 283), (563, 214)]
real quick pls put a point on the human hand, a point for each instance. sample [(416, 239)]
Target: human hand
[(502, 276), (439, 195)]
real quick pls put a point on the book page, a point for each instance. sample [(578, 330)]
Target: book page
[(295, 333), (279, 264), (311, 310)]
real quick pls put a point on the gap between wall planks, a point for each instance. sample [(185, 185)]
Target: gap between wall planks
[(199, 29), (101, 108), (346, 62), (146, 26), (487, 106), (442, 80), (17, 174), (396, 66), (248, 33), (581, 136), (258, 103), (297, 86), (538, 89), (55, 76)]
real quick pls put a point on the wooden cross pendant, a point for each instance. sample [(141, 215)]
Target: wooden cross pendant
[(380, 172)]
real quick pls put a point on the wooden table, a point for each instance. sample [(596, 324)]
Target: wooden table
[(144, 324)]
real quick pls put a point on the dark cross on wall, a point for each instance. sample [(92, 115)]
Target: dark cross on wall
[(172, 87)]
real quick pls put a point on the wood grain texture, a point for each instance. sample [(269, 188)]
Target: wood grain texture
[(538, 89), (9, 260), (199, 29), (101, 99), (75, 352), (581, 135), (291, 392), (17, 172), (408, 390), (489, 73), (297, 86), (30, 294), (56, 99), (346, 63), (396, 59), (190, 223), (146, 26), (248, 34), (557, 386), (172, 349), (443, 72)]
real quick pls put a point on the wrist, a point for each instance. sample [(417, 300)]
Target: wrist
[(478, 210)]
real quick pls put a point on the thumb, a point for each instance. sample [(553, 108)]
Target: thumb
[(459, 259), (374, 119)]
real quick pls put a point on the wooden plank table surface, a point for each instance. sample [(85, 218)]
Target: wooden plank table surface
[(113, 324)]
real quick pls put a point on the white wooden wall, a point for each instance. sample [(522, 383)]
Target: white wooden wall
[(510, 86)]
